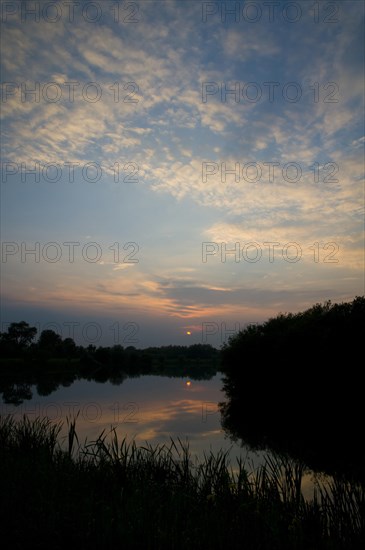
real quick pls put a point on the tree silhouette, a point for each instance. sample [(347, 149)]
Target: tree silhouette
[(293, 384), (21, 334), (49, 340)]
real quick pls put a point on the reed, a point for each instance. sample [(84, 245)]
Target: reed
[(112, 491)]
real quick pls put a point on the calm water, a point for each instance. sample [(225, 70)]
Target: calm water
[(149, 409)]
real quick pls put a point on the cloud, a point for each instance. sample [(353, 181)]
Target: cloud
[(252, 42), (169, 132)]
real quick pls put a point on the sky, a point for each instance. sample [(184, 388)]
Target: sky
[(175, 170)]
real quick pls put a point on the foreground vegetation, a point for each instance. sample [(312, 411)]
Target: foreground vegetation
[(294, 384), (109, 492)]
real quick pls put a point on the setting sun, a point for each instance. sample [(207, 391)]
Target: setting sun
[(172, 163)]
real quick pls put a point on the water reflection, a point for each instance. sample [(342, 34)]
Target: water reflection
[(319, 432), (148, 408), (154, 408)]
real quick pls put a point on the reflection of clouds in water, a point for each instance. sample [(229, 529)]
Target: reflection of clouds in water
[(307, 486), (184, 418), (148, 409)]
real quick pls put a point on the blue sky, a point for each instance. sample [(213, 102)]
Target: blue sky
[(149, 106)]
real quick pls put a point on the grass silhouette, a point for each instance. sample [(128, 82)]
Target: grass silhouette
[(112, 492)]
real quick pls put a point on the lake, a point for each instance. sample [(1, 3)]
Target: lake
[(148, 408)]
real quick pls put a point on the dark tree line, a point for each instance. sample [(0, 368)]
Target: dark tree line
[(51, 361), (294, 384), (18, 343)]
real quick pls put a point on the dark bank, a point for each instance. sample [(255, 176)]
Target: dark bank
[(279, 375)]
